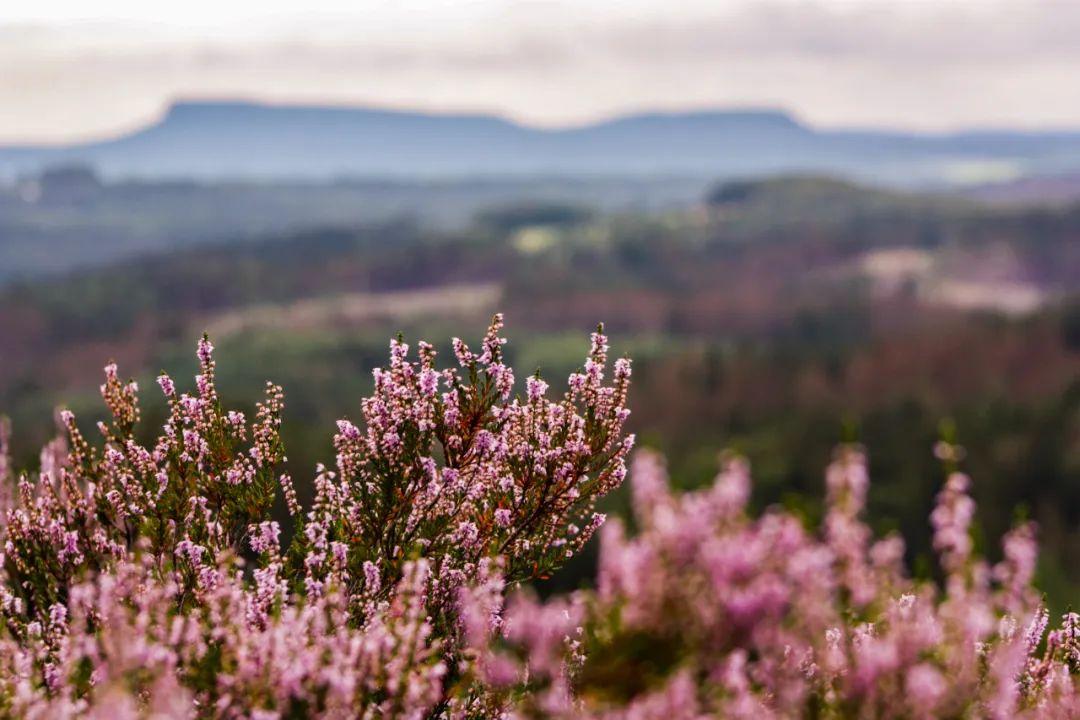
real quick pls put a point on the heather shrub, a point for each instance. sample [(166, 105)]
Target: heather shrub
[(708, 612), (152, 580)]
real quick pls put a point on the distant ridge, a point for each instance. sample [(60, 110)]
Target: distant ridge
[(245, 140)]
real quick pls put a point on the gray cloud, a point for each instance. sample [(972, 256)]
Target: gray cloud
[(909, 64)]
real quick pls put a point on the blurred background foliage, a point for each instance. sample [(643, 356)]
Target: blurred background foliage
[(773, 317)]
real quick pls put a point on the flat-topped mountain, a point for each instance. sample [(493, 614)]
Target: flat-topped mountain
[(215, 140)]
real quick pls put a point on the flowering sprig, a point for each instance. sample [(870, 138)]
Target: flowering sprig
[(452, 467)]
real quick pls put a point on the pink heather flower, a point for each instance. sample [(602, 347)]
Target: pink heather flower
[(398, 351), (1035, 630), (70, 549), (339, 551), (191, 405), (492, 344), (193, 553), (372, 578), (462, 353), (348, 430), (205, 351), (289, 491), (58, 615), (500, 672), (167, 386), (264, 536), (594, 372), (599, 346), (234, 475), (1016, 571), (732, 487), (504, 379), (467, 534), (951, 519), (535, 388), (577, 382), (429, 382), (887, 552), (485, 442), (503, 517), (925, 687)]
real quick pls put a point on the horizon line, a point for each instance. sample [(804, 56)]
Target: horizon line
[(241, 100)]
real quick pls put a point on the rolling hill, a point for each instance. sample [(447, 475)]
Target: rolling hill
[(215, 140)]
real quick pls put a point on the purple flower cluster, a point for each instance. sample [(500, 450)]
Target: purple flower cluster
[(708, 612), (149, 580), (450, 466)]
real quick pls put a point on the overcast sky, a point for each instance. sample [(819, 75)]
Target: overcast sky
[(71, 69)]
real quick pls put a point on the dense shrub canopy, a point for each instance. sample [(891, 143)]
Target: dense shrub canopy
[(150, 580)]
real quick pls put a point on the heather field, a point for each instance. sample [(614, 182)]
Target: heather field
[(150, 580)]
